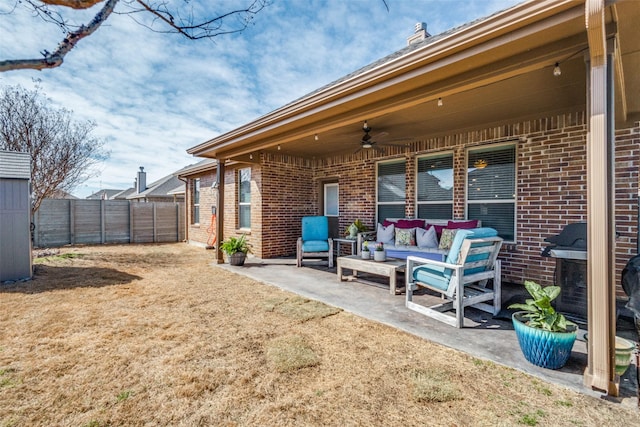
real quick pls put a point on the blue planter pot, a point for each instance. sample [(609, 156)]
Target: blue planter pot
[(543, 348)]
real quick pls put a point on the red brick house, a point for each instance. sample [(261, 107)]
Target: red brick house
[(514, 115)]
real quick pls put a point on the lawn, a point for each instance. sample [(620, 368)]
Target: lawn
[(155, 335)]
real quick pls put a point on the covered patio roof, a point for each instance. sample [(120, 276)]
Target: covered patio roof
[(486, 72)]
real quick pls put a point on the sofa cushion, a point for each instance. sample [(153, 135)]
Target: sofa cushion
[(462, 224), (482, 232), (386, 234), (315, 228), (432, 276), (438, 229), (426, 238), (315, 246), (410, 223)]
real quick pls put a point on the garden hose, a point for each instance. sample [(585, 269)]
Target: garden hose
[(211, 239)]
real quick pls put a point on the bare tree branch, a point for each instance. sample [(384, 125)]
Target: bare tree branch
[(190, 27), (207, 28), (74, 4), (62, 150), (55, 58)]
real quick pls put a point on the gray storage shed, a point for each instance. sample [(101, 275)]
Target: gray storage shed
[(15, 216)]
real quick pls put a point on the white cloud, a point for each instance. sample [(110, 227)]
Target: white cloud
[(155, 95)]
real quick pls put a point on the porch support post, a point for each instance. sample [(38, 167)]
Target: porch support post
[(219, 259), (601, 294)]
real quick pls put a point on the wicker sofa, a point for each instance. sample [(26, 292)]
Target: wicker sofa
[(400, 245)]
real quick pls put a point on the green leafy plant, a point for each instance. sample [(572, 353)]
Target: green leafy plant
[(539, 310), (379, 246), (359, 225), (365, 246), (234, 244)]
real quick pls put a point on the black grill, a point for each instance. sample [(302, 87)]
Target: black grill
[(569, 248)]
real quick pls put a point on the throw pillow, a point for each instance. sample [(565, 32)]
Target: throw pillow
[(426, 238), (438, 228), (446, 240), (385, 234), (463, 224), (410, 223), (405, 236)]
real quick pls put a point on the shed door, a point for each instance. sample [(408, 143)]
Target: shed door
[(15, 234)]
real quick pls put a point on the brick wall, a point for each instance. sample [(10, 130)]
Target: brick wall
[(551, 189), (199, 229), (287, 193)]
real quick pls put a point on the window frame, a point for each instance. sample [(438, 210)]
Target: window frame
[(242, 204), (514, 200), (418, 203), (404, 201), (195, 202), (330, 185)]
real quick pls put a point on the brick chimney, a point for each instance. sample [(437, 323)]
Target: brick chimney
[(420, 33), (141, 181)]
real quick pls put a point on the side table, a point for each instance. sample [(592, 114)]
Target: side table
[(343, 241)]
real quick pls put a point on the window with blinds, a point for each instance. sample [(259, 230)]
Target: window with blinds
[(195, 197), (434, 181), (244, 198), (391, 196), (491, 188)]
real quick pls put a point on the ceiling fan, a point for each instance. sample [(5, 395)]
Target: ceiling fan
[(368, 141)]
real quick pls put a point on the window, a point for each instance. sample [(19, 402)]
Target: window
[(491, 188), (331, 200), (244, 198), (434, 184), (195, 197), (391, 197)]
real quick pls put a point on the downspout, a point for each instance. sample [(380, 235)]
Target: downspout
[(220, 208), (601, 295)]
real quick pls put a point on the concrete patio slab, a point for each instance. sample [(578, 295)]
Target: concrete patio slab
[(483, 336)]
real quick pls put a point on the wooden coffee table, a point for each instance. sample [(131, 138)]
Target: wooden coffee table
[(355, 263)]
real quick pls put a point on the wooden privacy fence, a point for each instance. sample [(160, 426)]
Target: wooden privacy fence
[(61, 222)]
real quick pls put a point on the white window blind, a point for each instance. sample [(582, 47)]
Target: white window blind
[(391, 189), (434, 182), (244, 198), (195, 219), (491, 188)]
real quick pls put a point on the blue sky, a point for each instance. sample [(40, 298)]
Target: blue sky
[(155, 95)]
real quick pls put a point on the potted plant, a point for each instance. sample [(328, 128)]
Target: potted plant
[(352, 230), (545, 336), (366, 254), (236, 249), (379, 254)]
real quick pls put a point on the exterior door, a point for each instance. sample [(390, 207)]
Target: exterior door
[(331, 205)]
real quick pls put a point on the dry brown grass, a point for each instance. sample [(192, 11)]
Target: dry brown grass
[(156, 335)]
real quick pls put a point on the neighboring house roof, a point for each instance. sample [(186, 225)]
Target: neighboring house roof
[(123, 194), (61, 194), (159, 188), (103, 194), (202, 166), (178, 191)]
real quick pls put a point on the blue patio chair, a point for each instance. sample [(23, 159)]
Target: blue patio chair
[(315, 241), (461, 279)]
